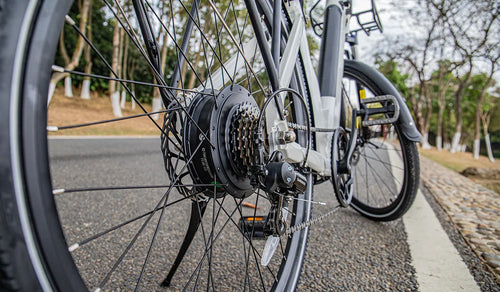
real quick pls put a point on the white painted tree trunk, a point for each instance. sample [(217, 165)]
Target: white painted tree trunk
[(391, 133), (156, 107), (85, 94), (115, 103), (439, 143), (447, 146), (488, 148), (123, 99), (475, 149), (454, 142), (133, 102), (68, 90), (425, 141), (52, 88)]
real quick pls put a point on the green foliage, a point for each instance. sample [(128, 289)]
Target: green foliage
[(391, 72)]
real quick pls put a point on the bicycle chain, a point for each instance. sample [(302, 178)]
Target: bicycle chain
[(303, 225)]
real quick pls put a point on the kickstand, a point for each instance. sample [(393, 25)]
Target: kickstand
[(197, 211)]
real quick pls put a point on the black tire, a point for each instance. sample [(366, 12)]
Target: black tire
[(386, 175), (34, 253)]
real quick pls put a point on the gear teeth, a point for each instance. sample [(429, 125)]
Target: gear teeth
[(243, 125)]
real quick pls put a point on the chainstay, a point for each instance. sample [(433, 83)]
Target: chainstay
[(303, 225), (304, 128)]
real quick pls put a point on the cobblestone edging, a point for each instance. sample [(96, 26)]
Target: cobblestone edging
[(474, 209)]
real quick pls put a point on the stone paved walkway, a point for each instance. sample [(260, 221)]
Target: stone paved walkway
[(474, 209)]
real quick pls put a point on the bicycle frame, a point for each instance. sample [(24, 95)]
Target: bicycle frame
[(324, 89)]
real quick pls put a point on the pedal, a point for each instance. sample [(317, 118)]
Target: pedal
[(390, 109), (253, 227)]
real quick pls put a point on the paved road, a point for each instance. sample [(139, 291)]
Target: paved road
[(345, 252)]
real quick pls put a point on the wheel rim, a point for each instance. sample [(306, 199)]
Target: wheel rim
[(253, 277)]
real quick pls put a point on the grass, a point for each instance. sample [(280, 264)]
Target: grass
[(461, 160)]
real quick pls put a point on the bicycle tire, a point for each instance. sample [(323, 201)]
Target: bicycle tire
[(398, 159), (34, 252)]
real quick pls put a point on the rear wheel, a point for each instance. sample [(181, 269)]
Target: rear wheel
[(385, 161), (81, 212)]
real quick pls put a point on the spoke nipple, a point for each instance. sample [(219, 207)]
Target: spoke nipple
[(58, 191), (57, 68), (73, 247), (52, 129), (69, 20)]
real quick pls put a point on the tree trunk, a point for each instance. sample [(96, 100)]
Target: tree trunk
[(85, 93), (113, 86), (485, 118), (68, 90), (439, 137), (131, 77), (479, 111), (120, 59), (488, 146), (124, 70), (458, 107)]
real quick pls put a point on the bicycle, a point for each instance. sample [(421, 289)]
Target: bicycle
[(259, 126)]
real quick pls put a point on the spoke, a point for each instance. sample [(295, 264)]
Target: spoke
[(254, 251), (57, 128), (150, 247), (253, 230), (159, 78), (134, 239), (215, 239), (235, 42), (131, 243), (87, 240), (62, 70), (386, 167), (113, 72), (383, 162), (178, 48), (366, 180), (93, 189), (375, 174), (382, 148)]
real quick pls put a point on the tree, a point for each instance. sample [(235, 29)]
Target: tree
[(114, 91), (441, 82), (482, 114), (472, 27), (419, 57), (85, 92), (72, 63)]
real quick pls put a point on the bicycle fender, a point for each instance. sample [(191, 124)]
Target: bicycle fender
[(405, 119)]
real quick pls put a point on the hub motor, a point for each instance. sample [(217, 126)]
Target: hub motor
[(219, 136)]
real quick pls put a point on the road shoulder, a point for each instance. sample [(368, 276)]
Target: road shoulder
[(428, 241)]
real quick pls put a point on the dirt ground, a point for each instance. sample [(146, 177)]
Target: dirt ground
[(65, 111)]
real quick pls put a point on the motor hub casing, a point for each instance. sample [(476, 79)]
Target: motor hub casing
[(207, 138)]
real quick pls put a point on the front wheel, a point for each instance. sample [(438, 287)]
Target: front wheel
[(385, 162)]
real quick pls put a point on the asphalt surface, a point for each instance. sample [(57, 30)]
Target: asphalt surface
[(345, 252)]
